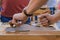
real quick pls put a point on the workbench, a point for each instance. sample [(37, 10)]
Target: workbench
[(41, 34)]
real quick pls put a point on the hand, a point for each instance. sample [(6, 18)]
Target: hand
[(17, 17), (47, 19)]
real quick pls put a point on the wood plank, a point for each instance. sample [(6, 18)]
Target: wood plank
[(27, 37)]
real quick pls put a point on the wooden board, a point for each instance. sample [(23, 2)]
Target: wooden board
[(28, 37)]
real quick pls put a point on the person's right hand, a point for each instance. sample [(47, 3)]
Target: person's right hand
[(17, 17)]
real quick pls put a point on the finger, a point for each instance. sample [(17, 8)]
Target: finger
[(14, 21), (45, 25), (44, 22), (43, 15), (19, 23), (10, 23)]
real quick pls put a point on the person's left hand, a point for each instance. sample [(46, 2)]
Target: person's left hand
[(47, 19)]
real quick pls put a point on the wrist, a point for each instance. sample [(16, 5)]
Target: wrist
[(55, 18), (27, 10), (26, 13), (23, 14)]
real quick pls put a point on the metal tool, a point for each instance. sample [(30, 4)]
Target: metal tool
[(15, 28)]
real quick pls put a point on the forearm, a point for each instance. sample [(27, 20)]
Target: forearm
[(57, 16), (34, 5)]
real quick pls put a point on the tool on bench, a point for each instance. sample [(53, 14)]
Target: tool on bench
[(15, 27)]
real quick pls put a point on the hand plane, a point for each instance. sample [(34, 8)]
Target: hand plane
[(15, 27)]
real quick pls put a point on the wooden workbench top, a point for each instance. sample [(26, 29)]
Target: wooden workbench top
[(33, 31), (31, 35)]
